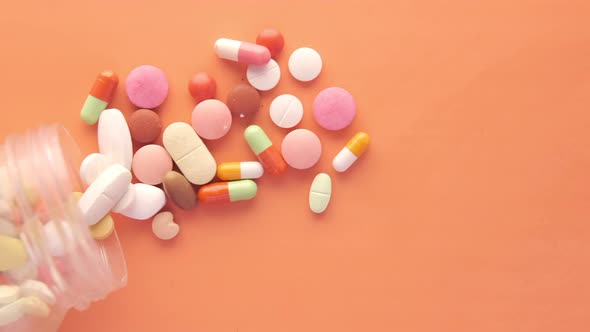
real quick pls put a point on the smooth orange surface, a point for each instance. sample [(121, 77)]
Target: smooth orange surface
[(358, 144), (216, 192), (468, 212), (229, 171)]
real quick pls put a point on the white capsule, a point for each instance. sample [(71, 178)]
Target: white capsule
[(351, 152), (343, 160), (104, 193), (114, 138), (251, 170)]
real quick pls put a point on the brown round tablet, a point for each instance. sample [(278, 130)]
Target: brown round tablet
[(145, 126), (179, 190), (243, 99)]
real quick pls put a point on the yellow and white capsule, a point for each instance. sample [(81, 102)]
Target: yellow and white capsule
[(240, 170), (351, 152)]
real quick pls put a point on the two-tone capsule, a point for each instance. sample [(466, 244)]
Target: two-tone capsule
[(225, 192), (240, 170), (99, 97), (269, 156), (351, 152), (243, 52)]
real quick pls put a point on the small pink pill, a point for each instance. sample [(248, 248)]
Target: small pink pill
[(151, 163), (301, 149), (146, 86), (211, 119), (334, 108)]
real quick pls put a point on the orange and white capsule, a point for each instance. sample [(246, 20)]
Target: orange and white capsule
[(351, 152), (99, 97), (240, 170)]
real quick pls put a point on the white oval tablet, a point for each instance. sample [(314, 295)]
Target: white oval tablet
[(38, 289), (126, 200), (114, 138), (164, 227), (93, 165), (8, 294), (305, 64), (189, 153), (286, 111), (104, 193), (320, 193), (147, 202), (264, 77)]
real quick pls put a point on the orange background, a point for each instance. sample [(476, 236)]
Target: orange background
[(468, 213)]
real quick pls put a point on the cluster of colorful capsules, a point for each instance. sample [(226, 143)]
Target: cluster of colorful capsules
[(108, 173)]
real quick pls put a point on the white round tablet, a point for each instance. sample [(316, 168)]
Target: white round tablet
[(305, 64), (286, 111), (264, 77)]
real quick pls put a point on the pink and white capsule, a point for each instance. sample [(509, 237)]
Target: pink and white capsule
[(243, 52)]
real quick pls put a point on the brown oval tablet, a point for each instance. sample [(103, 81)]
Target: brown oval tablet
[(179, 190), (243, 99), (145, 126)]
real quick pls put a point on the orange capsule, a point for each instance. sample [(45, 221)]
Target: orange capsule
[(225, 192), (100, 96)]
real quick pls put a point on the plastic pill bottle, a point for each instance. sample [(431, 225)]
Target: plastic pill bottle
[(39, 173)]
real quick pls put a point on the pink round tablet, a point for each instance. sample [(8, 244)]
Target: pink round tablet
[(146, 86), (151, 163), (301, 149), (211, 119), (334, 108)]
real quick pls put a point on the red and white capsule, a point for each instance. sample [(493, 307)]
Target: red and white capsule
[(243, 52)]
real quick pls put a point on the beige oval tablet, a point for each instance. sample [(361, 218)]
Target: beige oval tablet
[(320, 193), (189, 153), (13, 253), (179, 190), (164, 227)]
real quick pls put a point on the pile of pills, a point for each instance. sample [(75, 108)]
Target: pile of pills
[(108, 173)]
